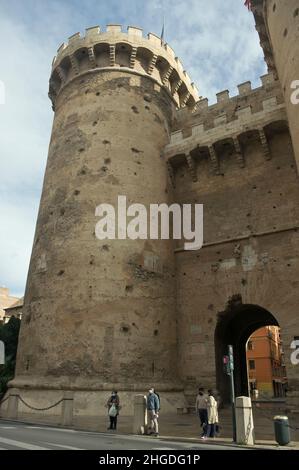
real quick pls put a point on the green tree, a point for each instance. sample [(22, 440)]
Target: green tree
[(9, 334)]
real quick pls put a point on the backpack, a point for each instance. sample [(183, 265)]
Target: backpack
[(159, 400)]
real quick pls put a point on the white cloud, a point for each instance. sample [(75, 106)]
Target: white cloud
[(26, 117), (17, 226), (216, 41), (24, 123)]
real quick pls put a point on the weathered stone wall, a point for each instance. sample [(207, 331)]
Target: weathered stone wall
[(98, 314), (251, 222), (122, 314), (94, 309), (244, 172)]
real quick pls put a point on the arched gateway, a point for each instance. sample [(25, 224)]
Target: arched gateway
[(235, 325)]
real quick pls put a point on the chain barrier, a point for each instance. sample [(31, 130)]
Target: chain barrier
[(33, 407), (260, 411), (40, 409), (248, 428), (4, 400)]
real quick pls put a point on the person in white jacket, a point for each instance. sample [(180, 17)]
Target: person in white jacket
[(212, 407)]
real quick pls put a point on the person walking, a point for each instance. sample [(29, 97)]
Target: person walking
[(212, 407), (201, 408), (113, 409), (153, 407)]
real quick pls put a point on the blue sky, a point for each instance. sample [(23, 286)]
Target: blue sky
[(215, 39)]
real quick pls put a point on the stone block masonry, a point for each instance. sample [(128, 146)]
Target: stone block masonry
[(129, 314)]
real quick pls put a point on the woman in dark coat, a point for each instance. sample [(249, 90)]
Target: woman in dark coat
[(113, 409)]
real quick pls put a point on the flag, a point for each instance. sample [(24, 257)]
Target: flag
[(248, 4)]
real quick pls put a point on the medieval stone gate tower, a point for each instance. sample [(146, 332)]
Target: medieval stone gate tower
[(101, 314), (128, 314)]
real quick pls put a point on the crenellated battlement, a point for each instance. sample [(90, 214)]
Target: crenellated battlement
[(228, 108), (229, 123), (236, 109), (116, 49)]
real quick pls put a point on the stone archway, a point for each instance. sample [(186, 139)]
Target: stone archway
[(235, 325)]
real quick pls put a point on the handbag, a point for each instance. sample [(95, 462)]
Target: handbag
[(112, 411)]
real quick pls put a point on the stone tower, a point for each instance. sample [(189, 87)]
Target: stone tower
[(98, 314), (277, 23), (127, 314)]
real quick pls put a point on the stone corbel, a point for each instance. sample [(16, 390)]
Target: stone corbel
[(75, 64), (177, 86), (112, 55), (91, 57), (191, 167), (61, 74), (54, 87), (167, 75), (133, 57), (239, 153), (171, 174), (214, 160), (264, 143), (152, 64), (185, 99)]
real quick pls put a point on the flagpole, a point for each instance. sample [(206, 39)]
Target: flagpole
[(163, 24)]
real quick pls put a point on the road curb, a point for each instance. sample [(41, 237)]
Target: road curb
[(161, 437)]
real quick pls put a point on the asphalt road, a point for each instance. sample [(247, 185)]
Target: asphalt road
[(21, 436)]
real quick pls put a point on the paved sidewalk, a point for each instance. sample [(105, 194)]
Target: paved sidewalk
[(176, 427), (259, 444)]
